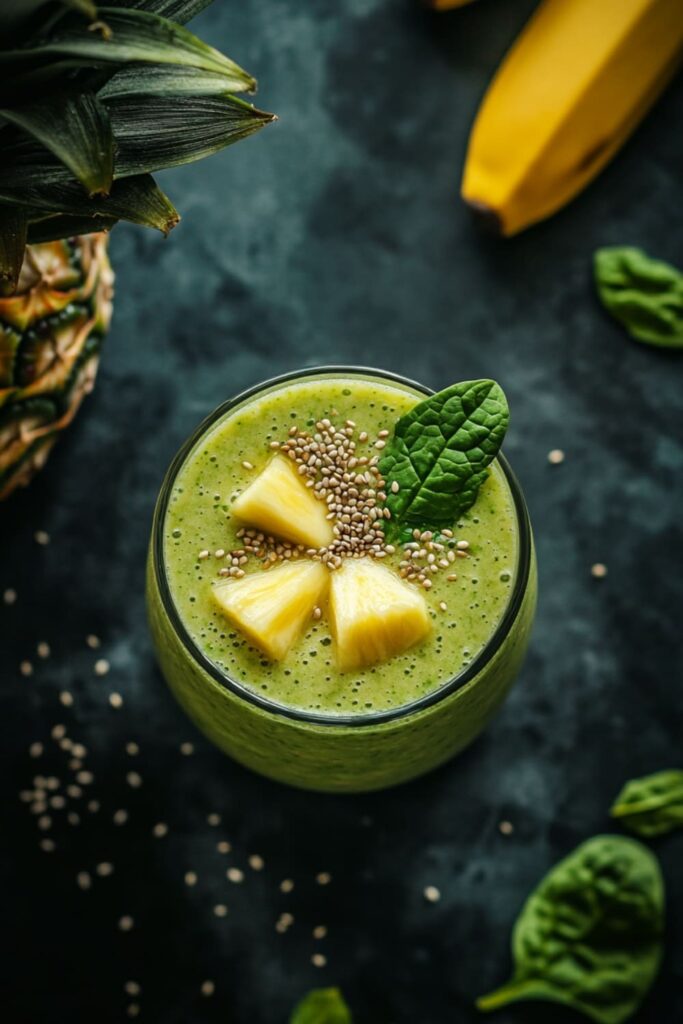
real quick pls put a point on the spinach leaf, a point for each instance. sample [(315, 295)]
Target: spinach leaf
[(590, 935), (651, 806), (321, 1006), (643, 294), (440, 452)]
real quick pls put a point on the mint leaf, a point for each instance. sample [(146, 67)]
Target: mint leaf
[(440, 452), (651, 805), (643, 294), (590, 935), (321, 1006)]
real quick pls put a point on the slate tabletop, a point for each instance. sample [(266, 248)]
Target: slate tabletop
[(336, 235)]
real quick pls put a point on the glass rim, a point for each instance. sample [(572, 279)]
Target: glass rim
[(236, 688)]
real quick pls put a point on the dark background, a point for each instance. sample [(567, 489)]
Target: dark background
[(337, 235)]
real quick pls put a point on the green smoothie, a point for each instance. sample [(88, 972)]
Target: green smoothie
[(300, 719)]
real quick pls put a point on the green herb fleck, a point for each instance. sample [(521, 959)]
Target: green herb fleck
[(321, 1006), (643, 294), (652, 805), (439, 454), (590, 936)]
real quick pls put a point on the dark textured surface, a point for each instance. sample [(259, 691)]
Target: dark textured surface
[(336, 235)]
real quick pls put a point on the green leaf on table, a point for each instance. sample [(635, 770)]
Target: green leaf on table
[(321, 1006), (643, 294), (590, 935), (652, 805), (440, 453)]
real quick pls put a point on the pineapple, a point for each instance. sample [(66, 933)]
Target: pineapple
[(272, 608), (278, 502), (92, 103), (374, 614)]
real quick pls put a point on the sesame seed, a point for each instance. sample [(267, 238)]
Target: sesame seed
[(41, 537), (323, 878), (134, 780), (93, 806), (133, 1009), (213, 819), (48, 845), (78, 750), (462, 545), (75, 792), (224, 846), (318, 960), (506, 828), (43, 650), (126, 923), (319, 932), (9, 596), (432, 894), (58, 803), (256, 863), (73, 818), (83, 880), (247, 465), (26, 668), (234, 875), (190, 878), (380, 444), (85, 778), (101, 667), (453, 576), (204, 553), (208, 988), (44, 822), (35, 750), (317, 613), (160, 830), (443, 606), (286, 885), (219, 553), (116, 700), (105, 869), (132, 749), (220, 910), (395, 487), (187, 749), (66, 698), (92, 641), (598, 571), (120, 817), (132, 988), (556, 456)]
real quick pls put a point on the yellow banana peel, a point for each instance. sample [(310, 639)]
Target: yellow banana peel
[(573, 87)]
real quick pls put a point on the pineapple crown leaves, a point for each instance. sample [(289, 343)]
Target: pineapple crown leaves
[(93, 100)]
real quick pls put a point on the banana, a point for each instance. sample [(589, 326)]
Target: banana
[(575, 84)]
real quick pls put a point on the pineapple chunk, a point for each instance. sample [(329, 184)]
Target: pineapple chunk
[(271, 608), (374, 614), (279, 502)]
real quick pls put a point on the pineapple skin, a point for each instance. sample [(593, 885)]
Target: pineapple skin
[(279, 503), (374, 614), (271, 607), (51, 332)]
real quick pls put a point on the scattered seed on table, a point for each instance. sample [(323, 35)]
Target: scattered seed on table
[(35, 750), (208, 988), (43, 649), (133, 1009), (44, 822), (224, 846), (286, 885), (75, 792), (93, 806), (66, 698), (116, 700), (506, 828), (323, 878), (318, 960), (47, 845), (101, 667), (9, 596), (57, 803), (73, 818), (126, 923), (132, 988), (160, 830), (134, 780), (213, 819), (105, 869), (120, 817), (92, 641), (220, 910), (58, 732), (320, 931), (85, 778), (78, 750), (598, 571), (556, 456), (187, 749), (432, 894), (132, 749), (26, 668), (83, 880), (190, 878), (41, 537), (256, 863), (234, 875)]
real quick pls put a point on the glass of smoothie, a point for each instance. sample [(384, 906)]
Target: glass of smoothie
[(295, 635)]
